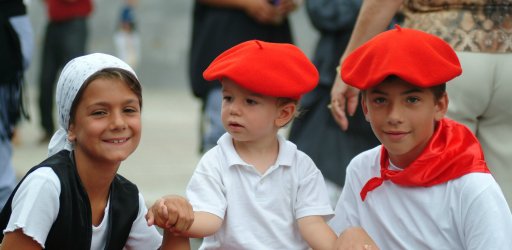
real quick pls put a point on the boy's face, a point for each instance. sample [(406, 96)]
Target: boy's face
[(403, 117), (249, 116), (107, 123)]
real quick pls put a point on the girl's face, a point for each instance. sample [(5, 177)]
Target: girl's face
[(403, 117), (249, 116), (107, 123)]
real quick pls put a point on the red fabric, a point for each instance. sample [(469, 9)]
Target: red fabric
[(63, 10), (272, 69), (453, 151), (419, 58)]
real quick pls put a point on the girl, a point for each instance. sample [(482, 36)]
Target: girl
[(75, 199)]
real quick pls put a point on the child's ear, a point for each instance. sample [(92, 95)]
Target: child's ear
[(441, 107), (365, 108), (286, 113), (71, 133)]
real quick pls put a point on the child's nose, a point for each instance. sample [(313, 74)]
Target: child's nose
[(118, 121), (395, 114), (234, 108)]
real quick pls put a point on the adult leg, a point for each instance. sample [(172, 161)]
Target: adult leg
[(213, 123), (7, 175), (47, 78), (73, 35)]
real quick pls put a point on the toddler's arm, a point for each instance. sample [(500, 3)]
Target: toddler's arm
[(205, 224), (316, 232), (355, 238)]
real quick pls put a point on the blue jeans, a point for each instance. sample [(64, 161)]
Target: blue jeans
[(212, 125), (7, 176)]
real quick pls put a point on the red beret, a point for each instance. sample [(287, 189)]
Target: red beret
[(414, 56), (272, 69)]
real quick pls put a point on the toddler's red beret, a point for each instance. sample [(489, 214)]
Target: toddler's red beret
[(414, 56), (272, 69)]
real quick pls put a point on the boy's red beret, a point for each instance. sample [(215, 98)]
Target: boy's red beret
[(414, 56), (272, 69)]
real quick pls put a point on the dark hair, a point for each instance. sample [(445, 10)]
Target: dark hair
[(108, 73)]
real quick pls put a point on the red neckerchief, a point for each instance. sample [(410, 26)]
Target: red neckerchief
[(453, 151)]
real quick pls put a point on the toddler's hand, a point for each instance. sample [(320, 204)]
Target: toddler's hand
[(171, 212)]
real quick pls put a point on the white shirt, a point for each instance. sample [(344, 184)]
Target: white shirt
[(258, 211), (469, 212), (35, 207)]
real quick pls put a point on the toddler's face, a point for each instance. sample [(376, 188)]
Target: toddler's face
[(107, 122), (403, 117), (249, 116)]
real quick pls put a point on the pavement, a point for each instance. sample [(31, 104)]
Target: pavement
[(168, 152)]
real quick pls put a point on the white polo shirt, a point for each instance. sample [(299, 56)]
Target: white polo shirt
[(469, 212), (258, 211)]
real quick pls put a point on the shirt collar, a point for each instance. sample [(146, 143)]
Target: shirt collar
[(285, 157)]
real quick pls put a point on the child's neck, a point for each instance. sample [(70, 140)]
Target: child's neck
[(261, 154)]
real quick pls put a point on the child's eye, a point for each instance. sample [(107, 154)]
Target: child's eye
[(227, 98), (379, 100), (99, 112), (130, 110), (251, 102), (413, 99)]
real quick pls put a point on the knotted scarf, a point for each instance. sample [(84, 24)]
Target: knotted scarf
[(453, 151)]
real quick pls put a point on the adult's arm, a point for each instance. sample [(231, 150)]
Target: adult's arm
[(374, 17)]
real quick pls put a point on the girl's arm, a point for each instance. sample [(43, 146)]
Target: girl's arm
[(316, 232), (18, 240), (174, 242)]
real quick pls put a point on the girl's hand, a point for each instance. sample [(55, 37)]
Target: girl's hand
[(171, 212)]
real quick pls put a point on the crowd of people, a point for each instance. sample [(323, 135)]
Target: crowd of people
[(423, 164)]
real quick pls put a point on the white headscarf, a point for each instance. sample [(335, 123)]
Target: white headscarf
[(74, 74)]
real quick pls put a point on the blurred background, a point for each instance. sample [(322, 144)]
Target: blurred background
[(168, 153)]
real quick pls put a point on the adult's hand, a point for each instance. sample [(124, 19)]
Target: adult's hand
[(263, 12), (344, 100)]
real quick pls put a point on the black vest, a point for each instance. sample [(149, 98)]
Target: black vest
[(73, 227)]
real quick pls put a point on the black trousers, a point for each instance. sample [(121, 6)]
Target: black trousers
[(63, 41)]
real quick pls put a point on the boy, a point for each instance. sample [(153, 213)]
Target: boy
[(255, 190), (427, 186)]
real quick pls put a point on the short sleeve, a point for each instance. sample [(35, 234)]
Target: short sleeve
[(206, 191), (141, 235), (312, 198), (35, 205), (486, 218)]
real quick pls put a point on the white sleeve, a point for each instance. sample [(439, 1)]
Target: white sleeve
[(486, 217), (312, 198), (35, 205), (141, 235), (205, 190)]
